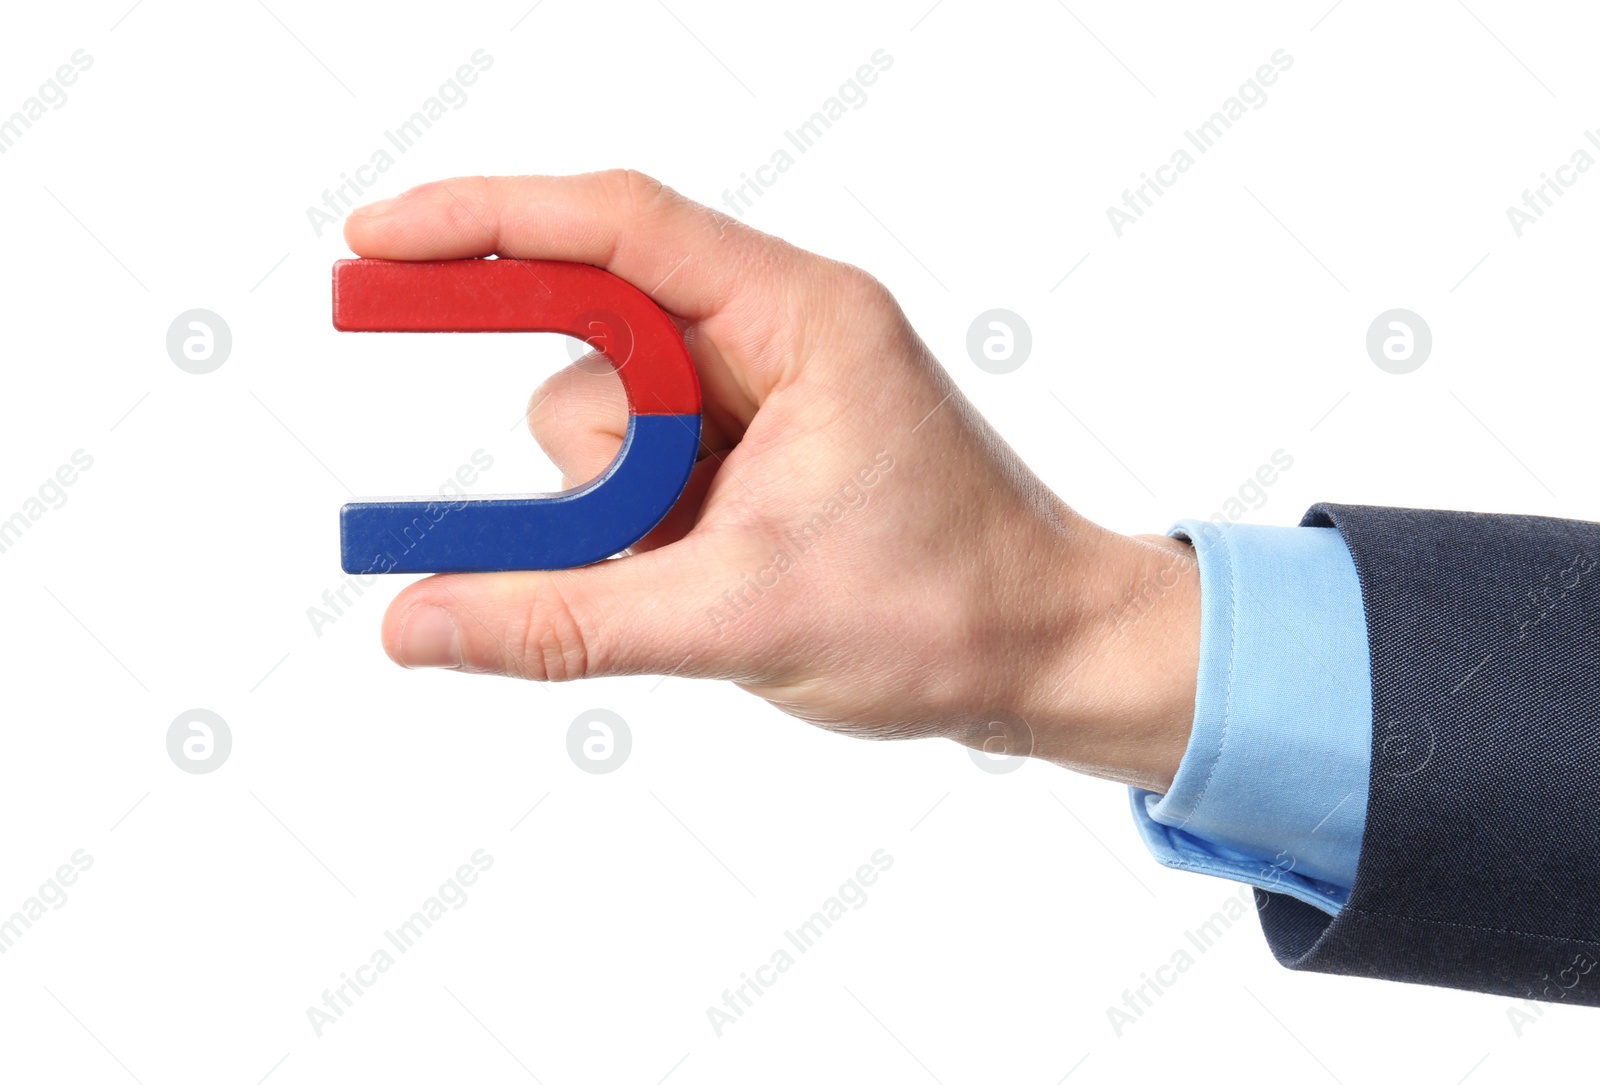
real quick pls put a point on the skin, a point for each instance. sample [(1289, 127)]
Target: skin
[(940, 590)]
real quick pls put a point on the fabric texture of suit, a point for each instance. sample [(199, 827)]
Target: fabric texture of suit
[(1478, 860)]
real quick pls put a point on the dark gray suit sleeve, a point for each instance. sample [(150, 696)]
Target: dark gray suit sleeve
[(1478, 864)]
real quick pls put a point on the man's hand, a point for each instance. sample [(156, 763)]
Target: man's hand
[(855, 545)]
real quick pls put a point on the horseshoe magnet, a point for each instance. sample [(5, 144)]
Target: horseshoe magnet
[(576, 527)]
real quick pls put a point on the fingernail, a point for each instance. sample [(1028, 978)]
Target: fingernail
[(429, 638), (377, 207)]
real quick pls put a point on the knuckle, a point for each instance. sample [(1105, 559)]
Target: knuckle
[(859, 286), (573, 408), (855, 303), (545, 408), (462, 198), (552, 644), (637, 192)]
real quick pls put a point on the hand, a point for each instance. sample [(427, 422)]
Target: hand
[(856, 545)]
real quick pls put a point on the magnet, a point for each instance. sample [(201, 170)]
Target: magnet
[(576, 527)]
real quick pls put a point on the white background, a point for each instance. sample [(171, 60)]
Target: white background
[(1228, 323)]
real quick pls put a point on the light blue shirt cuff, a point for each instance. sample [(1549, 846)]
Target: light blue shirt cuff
[(1272, 789)]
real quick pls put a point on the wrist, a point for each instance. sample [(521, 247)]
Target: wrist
[(1118, 700)]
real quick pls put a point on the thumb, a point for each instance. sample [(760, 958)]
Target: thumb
[(642, 614)]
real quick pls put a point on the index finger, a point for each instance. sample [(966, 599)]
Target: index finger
[(693, 261)]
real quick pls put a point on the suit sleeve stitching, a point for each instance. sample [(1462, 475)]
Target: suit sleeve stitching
[(1468, 926)]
